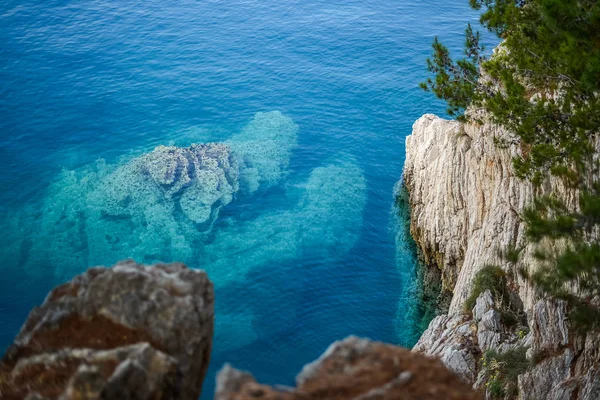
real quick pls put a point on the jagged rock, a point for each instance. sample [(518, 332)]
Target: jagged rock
[(587, 350), (138, 372), (489, 322), (549, 326), (489, 331), (355, 369), (128, 332), (452, 340), (591, 385), (483, 304), (231, 381), (546, 380)]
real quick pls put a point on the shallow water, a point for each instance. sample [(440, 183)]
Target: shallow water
[(305, 252)]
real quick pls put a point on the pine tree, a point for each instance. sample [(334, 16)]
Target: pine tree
[(542, 83)]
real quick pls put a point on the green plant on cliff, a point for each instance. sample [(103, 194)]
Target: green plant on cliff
[(491, 278), (494, 279), (543, 85), (503, 369)]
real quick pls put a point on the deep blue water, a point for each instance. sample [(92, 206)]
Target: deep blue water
[(106, 79)]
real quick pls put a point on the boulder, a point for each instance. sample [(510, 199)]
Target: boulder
[(127, 332)]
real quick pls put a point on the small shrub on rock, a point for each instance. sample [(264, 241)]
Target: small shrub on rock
[(503, 369), (492, 278)]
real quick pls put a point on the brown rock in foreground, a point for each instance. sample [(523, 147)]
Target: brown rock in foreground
[(355, 369), (128, 332), (136, 332)]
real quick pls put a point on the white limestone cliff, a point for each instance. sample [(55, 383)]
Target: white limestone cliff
[(466, 205)]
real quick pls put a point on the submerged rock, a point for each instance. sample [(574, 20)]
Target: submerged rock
[(325, 221), (199, 178), (162, 205), (151, 202), (355, 369), (264, 148), (128, 332)]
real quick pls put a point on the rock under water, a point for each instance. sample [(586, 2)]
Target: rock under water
[(179, 204), (326, 218), (159, 206), (264, 148), (326, 221)]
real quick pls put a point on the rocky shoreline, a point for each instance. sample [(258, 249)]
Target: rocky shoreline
[(134, 331), (138, 332), (128, 332)]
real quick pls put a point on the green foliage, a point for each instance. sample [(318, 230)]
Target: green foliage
[(510, 317), (494, 279), (521, 333), (577, 260), (495, 389), (510, 254), (550, 54), (503, 369), (542, 84), (491, 278), (456, 82)]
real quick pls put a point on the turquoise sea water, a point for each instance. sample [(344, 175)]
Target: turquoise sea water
[(308, 250)]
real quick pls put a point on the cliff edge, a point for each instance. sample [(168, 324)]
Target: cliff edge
[(466, 206)]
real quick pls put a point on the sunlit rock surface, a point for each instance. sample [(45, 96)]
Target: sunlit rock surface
[(128, 332), (466, 205)]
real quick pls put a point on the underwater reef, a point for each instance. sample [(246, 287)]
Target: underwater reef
[(165, 205), (179, 204), (159, 206)]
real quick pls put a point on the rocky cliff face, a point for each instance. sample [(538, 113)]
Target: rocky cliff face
[(466, 205), (128, 332), (137, 332)]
